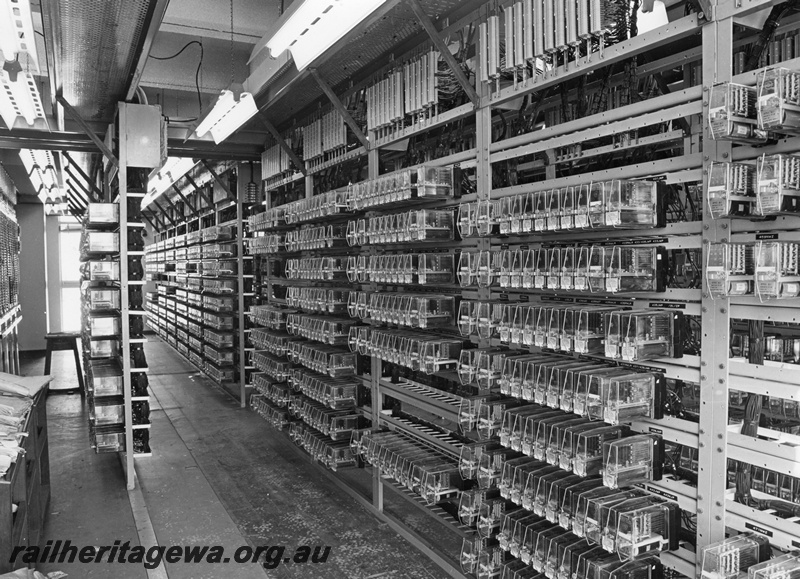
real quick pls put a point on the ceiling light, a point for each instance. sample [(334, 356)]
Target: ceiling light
[(173, 169), (17, 42), (651, 16), (310, 27), (227, 115), (20, 99), (56, 209), (54, 195), (42, 171)]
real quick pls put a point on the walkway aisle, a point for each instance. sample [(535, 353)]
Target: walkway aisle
[(274, 496), (88, 501), (219, 476)]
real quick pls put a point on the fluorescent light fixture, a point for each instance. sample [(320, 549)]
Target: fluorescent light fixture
[(164, 178), (17, 41), (42, 171), (54, 195), (651, 16), (310, 27), (56, 209), (263, 67), (20, 99), (227, 115)]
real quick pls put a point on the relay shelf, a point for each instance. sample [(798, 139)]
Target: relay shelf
[(549, 301)]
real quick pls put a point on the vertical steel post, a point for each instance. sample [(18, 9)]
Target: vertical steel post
[(376, 365), (240, 281), (124, 291), (712, 470)]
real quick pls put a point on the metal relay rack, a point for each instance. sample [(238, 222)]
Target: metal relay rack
[(9, 289), (586, 234), (112, 291), (203, 276), (683, 61)]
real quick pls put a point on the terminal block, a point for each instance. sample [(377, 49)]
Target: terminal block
[(632, 459), (645, 529), (731, 190), (471, 550), (633, 397), (593, 509), (589, 448), (469, 504), (422, 183), (777, 270), (779, 100), (633, 204), (732, 557), (777, 185), (733, 114), (637, 269), (782, 567), (730, 269), (644, 335)]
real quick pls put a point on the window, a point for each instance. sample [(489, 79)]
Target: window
[(69, 264)]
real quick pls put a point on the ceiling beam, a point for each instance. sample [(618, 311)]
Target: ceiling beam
[(80, 143), (337, 104), (152, 23), (88, 130), (51, 20), (444, 50)]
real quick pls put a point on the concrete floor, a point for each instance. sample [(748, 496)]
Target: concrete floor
[(218, 475)]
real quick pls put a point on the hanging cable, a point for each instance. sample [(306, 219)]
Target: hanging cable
[(196, 73), (765, 36)]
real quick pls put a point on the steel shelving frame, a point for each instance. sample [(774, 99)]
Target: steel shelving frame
[(712, 369), (205, 210)]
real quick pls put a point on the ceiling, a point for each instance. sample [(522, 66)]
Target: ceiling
[(181, 54), (95, 52)]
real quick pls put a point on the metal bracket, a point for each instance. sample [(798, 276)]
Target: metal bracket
[(88, 130), (162, 223), (444, 51), (75, 214), (282, 143), (337, 104), (153, 225), (98, 194), (707, 8), (185, 200), (77, 200), (219, 181), (81, 186), (175, 209), (199, 191), (164, 213)]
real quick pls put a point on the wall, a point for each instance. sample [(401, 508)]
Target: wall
[(53, 275), (33, 274)]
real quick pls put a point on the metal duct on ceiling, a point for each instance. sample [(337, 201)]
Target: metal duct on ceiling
[(100, 47)]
